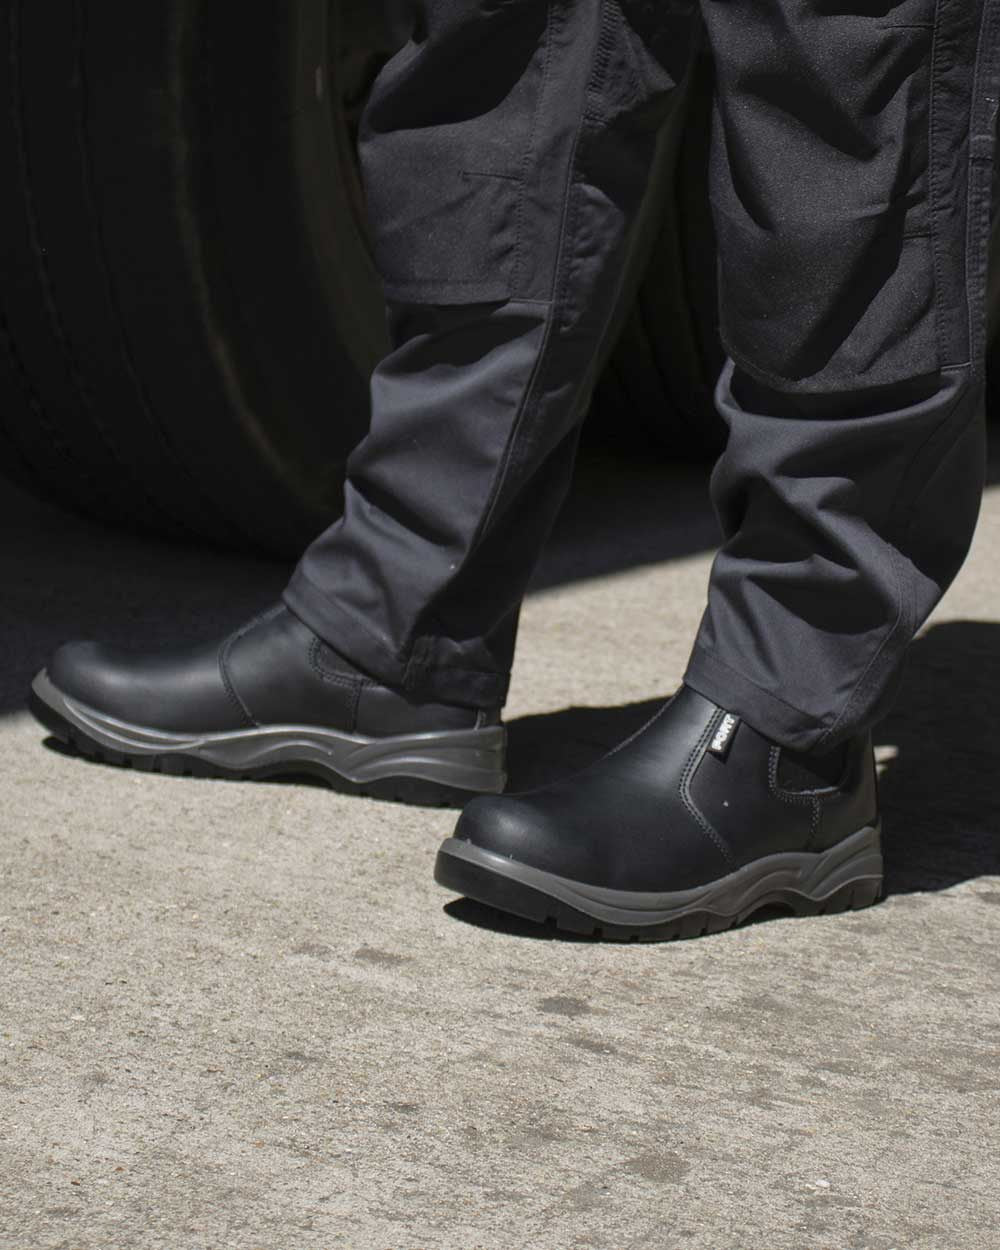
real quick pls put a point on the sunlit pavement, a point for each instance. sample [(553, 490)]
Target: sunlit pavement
[(243, 1016)]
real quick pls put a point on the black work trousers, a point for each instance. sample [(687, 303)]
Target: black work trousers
[(506, 151)]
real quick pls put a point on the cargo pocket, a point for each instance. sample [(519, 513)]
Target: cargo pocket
[(826, 265), (444, 144), (842, 307)]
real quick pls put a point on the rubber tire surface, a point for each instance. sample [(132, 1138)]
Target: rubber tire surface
[(189, 313)]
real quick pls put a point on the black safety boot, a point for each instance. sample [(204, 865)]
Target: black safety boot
[(687, 828), (271, 699)]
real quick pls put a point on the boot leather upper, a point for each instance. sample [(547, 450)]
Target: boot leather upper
[(664, 813), (274, 671)]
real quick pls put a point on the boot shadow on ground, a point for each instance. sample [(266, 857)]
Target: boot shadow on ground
[(66, 578), (940, 767)]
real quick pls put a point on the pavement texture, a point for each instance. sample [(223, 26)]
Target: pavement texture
[(243, 1017)]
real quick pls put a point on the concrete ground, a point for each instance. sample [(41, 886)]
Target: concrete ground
[(243, 1016)]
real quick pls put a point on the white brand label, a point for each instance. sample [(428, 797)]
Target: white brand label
[(724, 734)]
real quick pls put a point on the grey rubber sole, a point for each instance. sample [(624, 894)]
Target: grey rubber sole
[(845, 877), (431, 768)]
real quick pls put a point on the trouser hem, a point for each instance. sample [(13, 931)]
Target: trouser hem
[(421, 675), (783, 723)]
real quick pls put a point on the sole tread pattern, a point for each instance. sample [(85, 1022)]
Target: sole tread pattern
[(506, 895), (413, 791)]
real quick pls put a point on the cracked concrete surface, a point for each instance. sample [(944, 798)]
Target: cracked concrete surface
[(243, 1017)]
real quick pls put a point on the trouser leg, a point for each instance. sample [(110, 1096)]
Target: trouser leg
[(851, 174), (506, 151)]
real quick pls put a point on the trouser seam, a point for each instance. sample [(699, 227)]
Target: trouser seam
[(538, 372), (933, 169), (589, 118), (529, 149), (986, 67), (542, 361), (899, 535)]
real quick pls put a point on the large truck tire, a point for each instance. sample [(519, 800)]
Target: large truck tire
[(189, 311)]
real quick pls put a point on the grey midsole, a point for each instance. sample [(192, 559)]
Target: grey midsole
[(467, 759), (814, 875)]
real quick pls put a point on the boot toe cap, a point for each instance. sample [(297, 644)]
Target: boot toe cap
[(174, 692), (524, 830), (504, 825), (85, 671)]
